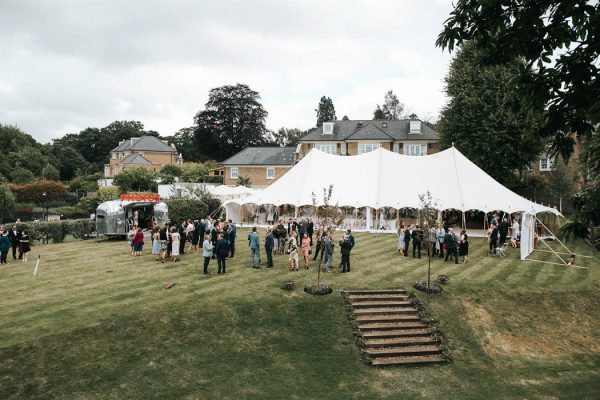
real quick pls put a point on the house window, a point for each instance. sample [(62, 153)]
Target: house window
[(234, 173), (343, 149), (270, 173), (415, 126), (384, 124), (395, 148), (328, 128), (327, 148), (415, 149), (546, 163), (367, 147)]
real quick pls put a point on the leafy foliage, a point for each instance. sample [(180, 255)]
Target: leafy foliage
[(574, 229), (244, 181), (558, 39), (232, 120), (7, 203), (180, 209), (193, 172), (391, 109), (287, 137), (136, 179), (34, 191), (486, 117), (325, 111)]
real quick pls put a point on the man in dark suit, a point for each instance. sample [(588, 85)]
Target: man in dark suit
[(310, 229), (345, 249), (493, 239), (14, 234), (214, 237), (182, 236), (269, 244), (232, 234), (222, 250), (503, 230), (417, 238), (451, 244), (407, 234), (201, 227)]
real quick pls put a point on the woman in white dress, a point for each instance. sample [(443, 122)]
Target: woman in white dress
[(175, 239), (401, 239)]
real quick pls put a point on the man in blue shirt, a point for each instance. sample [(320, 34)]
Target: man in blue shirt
[(253, 242)]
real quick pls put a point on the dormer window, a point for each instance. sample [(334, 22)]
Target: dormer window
[(415, 127), (328, 128), (384, 124)]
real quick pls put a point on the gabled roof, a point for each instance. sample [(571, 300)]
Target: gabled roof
[(262, 156), (369, 132), (395, 129), (134, 159), (145, 143)]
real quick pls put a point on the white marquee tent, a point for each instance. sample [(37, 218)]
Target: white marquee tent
[(382, 178)]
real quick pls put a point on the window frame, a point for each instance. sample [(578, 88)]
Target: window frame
[(270, 169), (373, 147), (415, 131), (237, 173), (409, 146), (329, 126), (550, 163), (331, 146)]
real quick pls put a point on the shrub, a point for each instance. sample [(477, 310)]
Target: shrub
[(136, 179), (180, 209), (69, 212), (193, 172), (81, 228), (108, 193), (212, 179), (34, 191)]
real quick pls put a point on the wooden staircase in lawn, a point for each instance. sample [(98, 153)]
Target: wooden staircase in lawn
[(391, 330)]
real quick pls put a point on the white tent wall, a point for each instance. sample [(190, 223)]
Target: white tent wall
[(374, 180), (527, 234)]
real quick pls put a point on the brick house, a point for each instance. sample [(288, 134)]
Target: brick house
[(263, 165), (149, 152), (406, 136)]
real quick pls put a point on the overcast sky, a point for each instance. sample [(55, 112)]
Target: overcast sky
[(70, 64)]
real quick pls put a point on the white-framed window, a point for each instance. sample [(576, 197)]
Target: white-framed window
[(270, 173), (395, 147), (415, 126), (343, 150), (234, 173), (415, 149), (367, 147), (326, 148), (328, 128), (546, 163)]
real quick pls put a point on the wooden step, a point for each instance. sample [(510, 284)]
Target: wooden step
[(396, 333), (408, 361), (382, 326), (384, 303), (400, 341), (403, 351), (376, 291), (387, 318), (384, 311), (377, 297)]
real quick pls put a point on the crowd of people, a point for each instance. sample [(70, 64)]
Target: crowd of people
[(18, 240), (498, 233), (441, 239), (216, 239)]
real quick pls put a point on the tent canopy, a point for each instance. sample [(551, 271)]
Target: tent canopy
[(382, 178)]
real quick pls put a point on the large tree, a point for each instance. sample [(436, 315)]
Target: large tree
[(287, 137), (95, 144), (391, 109), (558, 39), (232, 120), (485, 117), (325, 111)]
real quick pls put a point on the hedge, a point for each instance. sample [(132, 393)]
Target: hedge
[(57, 231), (34, 191), (180, 209)]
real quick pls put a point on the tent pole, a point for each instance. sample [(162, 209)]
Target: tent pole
[(464, 223), (555, 237)]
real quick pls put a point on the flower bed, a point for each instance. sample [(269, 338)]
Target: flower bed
[(320, 291)]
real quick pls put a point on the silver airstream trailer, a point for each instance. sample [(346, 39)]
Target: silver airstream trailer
[(115, 217)]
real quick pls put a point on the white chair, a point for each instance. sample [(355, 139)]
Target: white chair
[(501, 251)]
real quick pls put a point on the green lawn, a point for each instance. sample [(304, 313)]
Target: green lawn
[(95, 324)]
